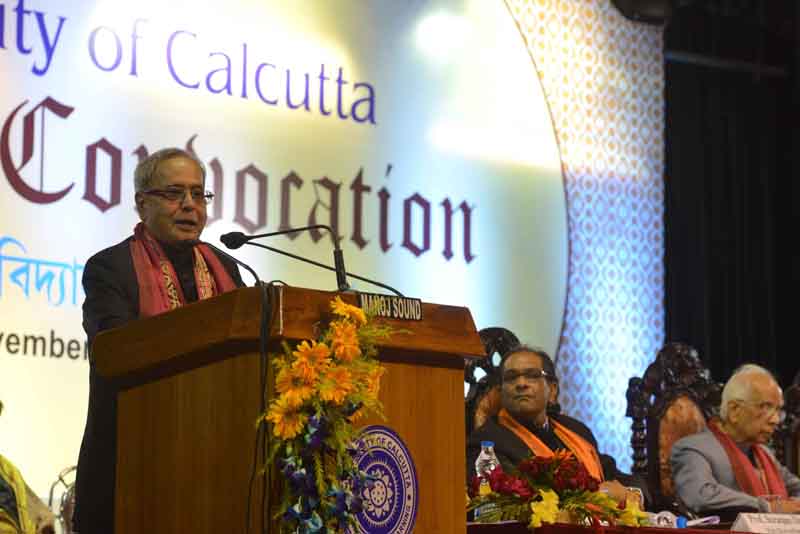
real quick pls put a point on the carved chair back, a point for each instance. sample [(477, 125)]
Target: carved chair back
[(483, 376), (786, 440), (674, 398)]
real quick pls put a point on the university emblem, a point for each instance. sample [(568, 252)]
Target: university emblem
[(390, 502)]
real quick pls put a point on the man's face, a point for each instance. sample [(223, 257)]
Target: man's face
[(525, 390), (754, 420), (173, 222)]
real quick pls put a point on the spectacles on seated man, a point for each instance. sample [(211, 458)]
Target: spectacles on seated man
[(766, 409), (528, 374)]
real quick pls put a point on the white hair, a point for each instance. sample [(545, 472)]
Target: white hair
[(739, 386)]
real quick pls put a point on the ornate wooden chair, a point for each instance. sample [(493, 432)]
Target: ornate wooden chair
[(483, 376), (786, 440), (675, 398)]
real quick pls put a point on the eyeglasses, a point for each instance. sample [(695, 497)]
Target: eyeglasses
[(529, 375), (766, 409), (177, 194)]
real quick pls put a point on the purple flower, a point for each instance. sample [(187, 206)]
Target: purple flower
[(318, 431)]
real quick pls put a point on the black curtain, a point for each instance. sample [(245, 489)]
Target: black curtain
[(728, 183)]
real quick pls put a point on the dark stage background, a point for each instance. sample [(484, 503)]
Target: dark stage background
[(731, 193)]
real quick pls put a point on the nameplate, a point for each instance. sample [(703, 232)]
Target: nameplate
[(390, 307), (767, 523)]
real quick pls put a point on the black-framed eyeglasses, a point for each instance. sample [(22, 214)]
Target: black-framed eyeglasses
[(529, 375), (766, 409), (177, 194)]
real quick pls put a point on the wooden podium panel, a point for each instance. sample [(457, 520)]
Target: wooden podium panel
[(185, 450), (433, 431), (186, 415)]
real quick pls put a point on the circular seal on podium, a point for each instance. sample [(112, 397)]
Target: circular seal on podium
[(390, 502)]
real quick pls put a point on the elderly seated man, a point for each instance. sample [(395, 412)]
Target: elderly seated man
[(523, 426), (728, 466)]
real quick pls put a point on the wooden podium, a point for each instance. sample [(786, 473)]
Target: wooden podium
[(191, 396)]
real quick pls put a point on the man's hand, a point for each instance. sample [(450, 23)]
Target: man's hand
[(42, 517), (615, 490), (621, 493), (784, 506)]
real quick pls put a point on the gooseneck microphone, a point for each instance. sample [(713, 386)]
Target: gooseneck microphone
[(235, 240), (237, 262)]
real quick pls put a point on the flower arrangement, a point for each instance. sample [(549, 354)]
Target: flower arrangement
[(549, 490), (324, 386)]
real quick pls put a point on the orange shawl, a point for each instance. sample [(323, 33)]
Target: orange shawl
[(582, 449)]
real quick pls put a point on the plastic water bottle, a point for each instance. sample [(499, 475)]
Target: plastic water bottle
[(669, 520), (666, 519), (485, 464), (487, 459)]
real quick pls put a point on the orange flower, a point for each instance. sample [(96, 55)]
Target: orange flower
[(287, 422), (312, 359), (348, 311), (374, 381), (305, 370), (293, 388), (316, 353), (358, 415), (344, 337), (336, 385)]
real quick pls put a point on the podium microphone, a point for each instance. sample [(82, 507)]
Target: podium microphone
[(234, 260), (235, 240)]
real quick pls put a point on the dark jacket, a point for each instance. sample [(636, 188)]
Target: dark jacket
[(511, 450), (112, 299)]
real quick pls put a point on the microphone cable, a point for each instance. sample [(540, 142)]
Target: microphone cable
[(262, 441)]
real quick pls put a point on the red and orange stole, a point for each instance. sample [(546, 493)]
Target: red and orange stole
[(746, 475), (159, 288), (582, 449)]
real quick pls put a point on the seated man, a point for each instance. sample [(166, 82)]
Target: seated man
[(727, 466), (21, 511), (523, 426)]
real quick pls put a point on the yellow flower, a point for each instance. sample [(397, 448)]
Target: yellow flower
[(312, 359), (344, 339), (358, 415), (545, 510), (348, 311), (336, 385), (316, 353), (292, 387), (632, 516), (287, 422), (358, 315), (373, 381)]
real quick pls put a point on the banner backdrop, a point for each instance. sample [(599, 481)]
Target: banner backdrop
[(417, 130), (604, 80)]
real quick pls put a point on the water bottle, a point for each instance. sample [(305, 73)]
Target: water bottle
[(487, 459), (485, 464), (666, 519)]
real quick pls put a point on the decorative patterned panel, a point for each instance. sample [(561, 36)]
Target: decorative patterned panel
[(603, 78)]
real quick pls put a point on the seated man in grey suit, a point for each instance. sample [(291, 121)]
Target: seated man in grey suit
[(727, 466)]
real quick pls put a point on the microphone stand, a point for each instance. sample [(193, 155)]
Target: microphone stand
[(236, 261), (237, 239), (323, 266)]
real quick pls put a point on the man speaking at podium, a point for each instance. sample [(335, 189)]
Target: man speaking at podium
[(162, 266)]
